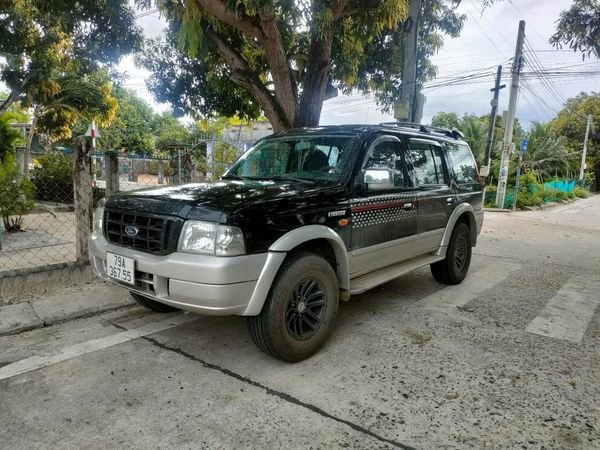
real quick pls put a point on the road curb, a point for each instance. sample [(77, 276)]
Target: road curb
[(66, 305)]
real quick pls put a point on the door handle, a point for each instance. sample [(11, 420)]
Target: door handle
[(449, 200), (407, 206)]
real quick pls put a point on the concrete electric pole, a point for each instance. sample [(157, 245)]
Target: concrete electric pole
[(510, 120), (485, 170), (585, 141), (406, 109)]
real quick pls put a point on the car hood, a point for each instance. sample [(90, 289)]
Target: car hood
[(220, 200)]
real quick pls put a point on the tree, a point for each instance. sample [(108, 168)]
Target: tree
[(571, 122), (547, 154), (579, 28), (131, 129), (446, 120), (9, 136), (475, 134), (280, 53), (236, 58), (168, 131), (40, 39)]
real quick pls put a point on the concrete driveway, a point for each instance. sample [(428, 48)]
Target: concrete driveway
[(508, 359)]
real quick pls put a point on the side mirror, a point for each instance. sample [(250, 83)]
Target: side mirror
[(379, 179)]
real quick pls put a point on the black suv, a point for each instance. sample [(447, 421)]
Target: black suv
[(302, 220)]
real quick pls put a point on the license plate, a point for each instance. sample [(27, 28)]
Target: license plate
[(120, 268)]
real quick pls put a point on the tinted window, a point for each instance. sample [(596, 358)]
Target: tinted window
[(387, 154), (315, 157), (427, 163), (463, 163)]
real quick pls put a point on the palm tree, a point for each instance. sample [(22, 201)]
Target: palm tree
[(547, 154), (475, 135), (9, 136)]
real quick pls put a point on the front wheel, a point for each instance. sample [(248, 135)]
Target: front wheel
[(299, 312), (454, 268)]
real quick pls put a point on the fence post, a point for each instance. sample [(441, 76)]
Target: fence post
[(111, 173), (20, 159), (82, 186), (161, 172)]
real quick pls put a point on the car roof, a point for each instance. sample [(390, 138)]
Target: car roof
[(413, 130)]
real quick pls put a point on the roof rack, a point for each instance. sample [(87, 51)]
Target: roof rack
[(425, 128)]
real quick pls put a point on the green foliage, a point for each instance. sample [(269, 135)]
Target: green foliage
[(547, 155), (236, 58), (571, 123), (560, 196), (224, 155), (16, 194), (53, 177), (527, 198), (169, 131), (579, 28), (41, 39), (78, 96), (9, 136), (132, 127), (581, 192), (447, 120)]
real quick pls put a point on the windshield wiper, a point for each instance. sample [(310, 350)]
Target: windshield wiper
[(233, 177), (286, 178)]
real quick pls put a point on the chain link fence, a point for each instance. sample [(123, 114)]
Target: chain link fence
[(46, 203)]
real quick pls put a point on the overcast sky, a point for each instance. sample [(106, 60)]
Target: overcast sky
[(487, 40)]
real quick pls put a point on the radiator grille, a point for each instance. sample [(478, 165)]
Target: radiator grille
[(152, 233)]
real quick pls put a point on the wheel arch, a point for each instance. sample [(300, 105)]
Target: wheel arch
[(462, 213), (299, 238)]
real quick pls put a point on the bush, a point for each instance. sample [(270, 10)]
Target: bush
[(527, 198), (560, 196), (571, 195), (53, 178), (581, 192), (16, 194)]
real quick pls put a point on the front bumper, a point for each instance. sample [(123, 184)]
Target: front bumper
[(199, 283)]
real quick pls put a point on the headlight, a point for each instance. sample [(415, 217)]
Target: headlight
[(209, 238), (99, 216)]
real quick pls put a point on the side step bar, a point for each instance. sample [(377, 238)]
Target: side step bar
[(370, 280)]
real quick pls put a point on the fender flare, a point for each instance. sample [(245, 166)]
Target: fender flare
[(458, 211), (279, 250)]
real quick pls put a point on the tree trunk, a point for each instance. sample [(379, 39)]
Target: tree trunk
[(315, 81), (82, 186), (27, 156), (12, 97)]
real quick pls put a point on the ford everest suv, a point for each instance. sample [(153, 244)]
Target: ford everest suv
[(303, 219)]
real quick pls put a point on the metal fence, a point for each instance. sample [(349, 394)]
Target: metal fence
[(48, 215)]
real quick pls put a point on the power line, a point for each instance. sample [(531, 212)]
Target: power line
[(548, 83), (484, 32)]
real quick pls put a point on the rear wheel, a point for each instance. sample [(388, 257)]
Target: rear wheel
[(454, 268), (299, 312), (147, 302)]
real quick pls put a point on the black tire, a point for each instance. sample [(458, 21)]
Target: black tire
[(153, 304), (455, 267), (298, 314)]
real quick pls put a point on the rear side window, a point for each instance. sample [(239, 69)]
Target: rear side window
[(465, 169), (427, 163)]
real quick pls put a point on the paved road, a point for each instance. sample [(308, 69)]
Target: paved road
[(509, 359)]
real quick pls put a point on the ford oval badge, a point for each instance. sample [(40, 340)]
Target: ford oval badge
[(130, 230)]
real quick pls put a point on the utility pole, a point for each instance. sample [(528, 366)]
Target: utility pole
[(406, 108), (485, 170), (585, 141), (508, 130)]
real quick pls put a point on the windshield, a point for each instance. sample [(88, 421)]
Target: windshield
[(314, 157)]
